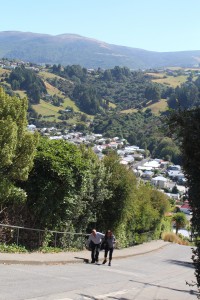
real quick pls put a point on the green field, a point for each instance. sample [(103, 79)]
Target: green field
[(171, 80), (129, 111), (46, 75), (45, 108), (22, 94), (156, 108), (3, 71)]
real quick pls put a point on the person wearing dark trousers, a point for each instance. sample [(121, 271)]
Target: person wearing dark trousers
[(109, 243), (94, 240)]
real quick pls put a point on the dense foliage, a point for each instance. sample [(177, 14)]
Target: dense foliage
[(95, 91), (179, 220), (69, 189), (105, 94), (62, 187), (22, 78), (65, 186), (120, 86), (186, 96), (132, 210), (185, 124), (17, 149)]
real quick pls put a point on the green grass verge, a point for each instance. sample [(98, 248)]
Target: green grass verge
[(12, 248)]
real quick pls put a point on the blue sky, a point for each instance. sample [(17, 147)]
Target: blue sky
[(157, 25)]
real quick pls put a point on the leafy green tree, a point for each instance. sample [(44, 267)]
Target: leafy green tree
[(159, 202), (168, 148), (172, 101), (65, 187), (180, 220), (87, 99), (17, 148), (186, 96), (99, 191), (145, 215), (15, 85), (153, 93), (25, 79), (117, 211), (107, 76), (149, 209), (185, 126), (197, 82)]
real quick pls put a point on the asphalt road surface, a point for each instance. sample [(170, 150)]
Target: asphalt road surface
[(159, 275)]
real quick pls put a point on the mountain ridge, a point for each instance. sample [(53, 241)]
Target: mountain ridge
[(68, 49)]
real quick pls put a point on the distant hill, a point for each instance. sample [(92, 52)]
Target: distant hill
[(69, 49)]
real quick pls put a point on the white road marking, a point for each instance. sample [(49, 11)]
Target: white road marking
[(65, 299), (121, 272), (113, 294)]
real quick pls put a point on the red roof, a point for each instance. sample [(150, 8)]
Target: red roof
[(186, 205)]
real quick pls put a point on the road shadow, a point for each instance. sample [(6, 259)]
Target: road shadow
[(193, 292), (85, 260), (108, 297), (181, 263)]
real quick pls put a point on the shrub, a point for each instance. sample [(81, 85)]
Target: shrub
[(12, 248), (174, 238)]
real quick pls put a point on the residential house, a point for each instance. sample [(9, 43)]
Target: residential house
[(147, 175), (159, 182), (154, 164)]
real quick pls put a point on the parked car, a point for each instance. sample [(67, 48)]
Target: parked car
[(186, 211)]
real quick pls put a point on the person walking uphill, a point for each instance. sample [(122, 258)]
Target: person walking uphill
[(109, 241), (94, 240)]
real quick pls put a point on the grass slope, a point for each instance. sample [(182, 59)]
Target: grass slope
[(47, 109), (171, 80), (156, 108), (51, 112)]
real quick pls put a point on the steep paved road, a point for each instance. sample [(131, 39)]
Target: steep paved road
[(156, 275)]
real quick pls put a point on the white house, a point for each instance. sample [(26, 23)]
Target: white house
[(147, 174), (159, 182), (154, 164), (173, 196), (129, 159)]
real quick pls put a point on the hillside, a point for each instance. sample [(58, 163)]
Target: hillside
[(68, 49), (118, 89), (131, 105)]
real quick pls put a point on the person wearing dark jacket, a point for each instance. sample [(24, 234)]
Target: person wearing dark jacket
[(109, 242)]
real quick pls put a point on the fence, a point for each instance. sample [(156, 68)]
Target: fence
[(35, 238)]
